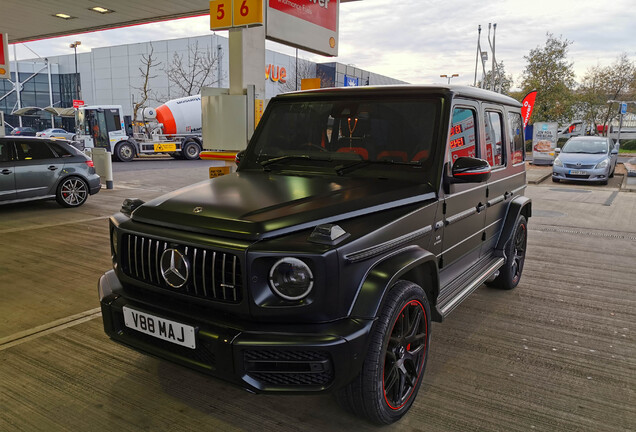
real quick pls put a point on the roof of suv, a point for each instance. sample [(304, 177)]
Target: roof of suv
[(402, 90)]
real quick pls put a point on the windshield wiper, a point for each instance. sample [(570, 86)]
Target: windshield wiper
[(364, 163), (267, 162)]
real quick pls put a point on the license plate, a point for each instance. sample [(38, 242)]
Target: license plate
[(165, 147), (575, 172), (160, 328)]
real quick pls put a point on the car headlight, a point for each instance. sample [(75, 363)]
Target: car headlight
[(557, 162), (602, 164), (291, 279)]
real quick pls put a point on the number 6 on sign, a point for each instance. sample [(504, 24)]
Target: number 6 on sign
[(248, 12), (220, 14)]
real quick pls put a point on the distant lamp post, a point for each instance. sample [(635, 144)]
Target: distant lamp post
[(450, 77), (77, 80)]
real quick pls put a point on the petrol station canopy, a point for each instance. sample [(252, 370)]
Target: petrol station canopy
[(34, 20)]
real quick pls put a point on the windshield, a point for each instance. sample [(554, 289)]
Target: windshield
[(585, 146), (370, 137)]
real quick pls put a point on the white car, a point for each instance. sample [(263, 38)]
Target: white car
[(56, 133)]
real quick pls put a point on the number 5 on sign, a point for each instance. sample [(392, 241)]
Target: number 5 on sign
[(220, 14), (248, 12)]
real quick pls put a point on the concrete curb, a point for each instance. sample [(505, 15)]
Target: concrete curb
[(539, 179)]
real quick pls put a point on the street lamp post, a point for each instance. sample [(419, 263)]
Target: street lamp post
[(449, 77), (77, 81)]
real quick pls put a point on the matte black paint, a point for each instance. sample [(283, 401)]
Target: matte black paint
[(441, 235)]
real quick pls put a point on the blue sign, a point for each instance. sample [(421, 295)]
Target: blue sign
[(350, 81), (623, 108)]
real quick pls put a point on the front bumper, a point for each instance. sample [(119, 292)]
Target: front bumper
[(262, 358), (589, 175)]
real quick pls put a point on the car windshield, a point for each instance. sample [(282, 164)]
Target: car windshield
[(585, 146), (385, 138)]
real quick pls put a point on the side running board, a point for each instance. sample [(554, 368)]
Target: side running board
[(476, 282)]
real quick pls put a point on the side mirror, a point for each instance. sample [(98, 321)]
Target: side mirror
[(557, 150), (470, 170), (238, 157), (614, 151)]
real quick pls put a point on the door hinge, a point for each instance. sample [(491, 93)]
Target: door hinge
[(444, 208)]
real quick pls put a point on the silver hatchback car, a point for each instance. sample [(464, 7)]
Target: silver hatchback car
[(590, 159), (36, 168)]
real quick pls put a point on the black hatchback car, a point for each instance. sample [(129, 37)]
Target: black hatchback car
[(356, 217), (36, 168), (23, 131)]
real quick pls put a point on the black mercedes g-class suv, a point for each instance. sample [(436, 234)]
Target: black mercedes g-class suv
[(355, 217)]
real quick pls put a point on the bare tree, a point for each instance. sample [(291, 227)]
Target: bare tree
[(147, 63), (197, 68), (600, 84), (305, 69)]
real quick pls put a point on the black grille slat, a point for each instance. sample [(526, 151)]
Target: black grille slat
[(210, 272)]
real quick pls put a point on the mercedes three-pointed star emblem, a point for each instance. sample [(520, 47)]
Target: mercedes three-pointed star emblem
[(175, 268)]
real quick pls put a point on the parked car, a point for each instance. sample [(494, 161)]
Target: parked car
[(56, 133), (588, 158), (357, 216), (36, 168), (24, 131)]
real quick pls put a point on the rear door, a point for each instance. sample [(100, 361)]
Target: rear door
[(7, 171), (37, 169)]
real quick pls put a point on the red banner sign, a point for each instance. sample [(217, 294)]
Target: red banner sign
[(77, 103), (527, 105), (320, 12)]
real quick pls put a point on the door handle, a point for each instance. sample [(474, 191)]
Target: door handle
[(6, 171), (52, 168), (481, 207)]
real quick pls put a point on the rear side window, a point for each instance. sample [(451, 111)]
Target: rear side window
[(462, 137), (4, 150), (33, 151), (59, 150), (516, 138), (494, 139)]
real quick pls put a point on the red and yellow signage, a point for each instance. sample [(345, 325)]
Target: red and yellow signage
[(4, 56), (323, 13), (225, 14), (275, 73)]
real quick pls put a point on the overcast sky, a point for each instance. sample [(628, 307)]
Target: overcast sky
[(417, 40)]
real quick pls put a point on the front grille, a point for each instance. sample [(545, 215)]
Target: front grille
[(577, 176), (575, 166), (289, 367), (213, 275)]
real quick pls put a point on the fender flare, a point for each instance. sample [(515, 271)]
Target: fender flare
[(519, 205), (412, 263)]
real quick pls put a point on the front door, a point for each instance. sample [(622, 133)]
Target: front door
[(464, 204), (36, 169)]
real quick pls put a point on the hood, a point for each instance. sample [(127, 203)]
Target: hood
[(253, 205), (583, 158)]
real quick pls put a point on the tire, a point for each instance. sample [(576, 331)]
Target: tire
[(510, 272), (611, 175), (556, 180), (190, 150), (72, 192), (124, 151), (395, 361), (603, 182)]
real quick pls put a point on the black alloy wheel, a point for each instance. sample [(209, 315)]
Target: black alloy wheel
[(404, 356), (510, 272), (395, 361)]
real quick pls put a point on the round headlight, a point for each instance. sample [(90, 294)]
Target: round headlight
[(291, 279)]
